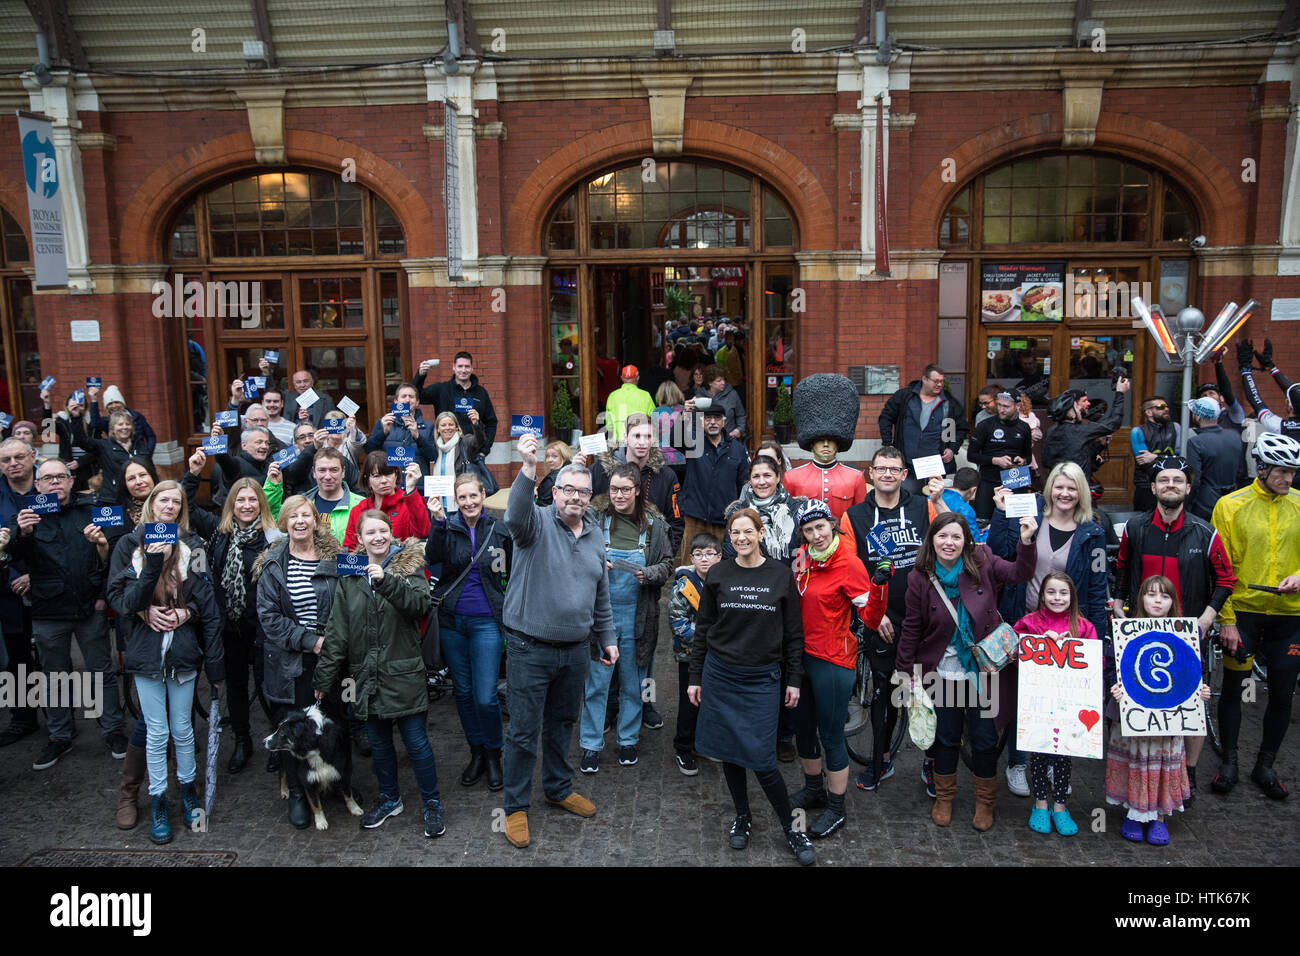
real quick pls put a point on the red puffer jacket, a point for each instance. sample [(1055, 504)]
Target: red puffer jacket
[(409, 514), (828, 590)]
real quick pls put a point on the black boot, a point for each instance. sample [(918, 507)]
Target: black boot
[(299, 809), (812, 796), (1226, 778), (1265, 777), (831, 819), (476, 766), (496, 780), (243, 750)]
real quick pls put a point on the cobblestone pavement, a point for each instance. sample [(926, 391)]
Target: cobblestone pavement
[(649, 814)]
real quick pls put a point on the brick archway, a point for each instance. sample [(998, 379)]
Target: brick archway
[(150, 210), (1212, 188), (13, 197), (702, 139)]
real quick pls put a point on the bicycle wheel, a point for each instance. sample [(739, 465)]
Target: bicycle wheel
[(1212, 674), (859, 713)]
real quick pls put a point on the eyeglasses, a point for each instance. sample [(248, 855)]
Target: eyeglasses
[(60, 476), (1157, 408), (888, 469), (620, 492), (569, 491), (704, 554)]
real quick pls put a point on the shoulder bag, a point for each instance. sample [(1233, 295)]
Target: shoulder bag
[(431, 647), (994, 652)]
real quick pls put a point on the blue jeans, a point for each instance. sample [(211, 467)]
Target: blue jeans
[(546, 683), (165, 708), (472, 649), (416, 741), (592, 732)]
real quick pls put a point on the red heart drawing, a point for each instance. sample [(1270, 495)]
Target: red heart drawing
[(1088, 718)]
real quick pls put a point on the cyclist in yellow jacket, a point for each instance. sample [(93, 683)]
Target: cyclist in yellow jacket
[(1260, 527), (625, 400)]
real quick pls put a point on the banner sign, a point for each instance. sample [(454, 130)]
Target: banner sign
[(1059, 695), (44, 204), (1022, 292), (1159, 665)]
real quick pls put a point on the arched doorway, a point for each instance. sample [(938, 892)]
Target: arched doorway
[(20, 364), (635, 246), (331, 290), (1043, 254)]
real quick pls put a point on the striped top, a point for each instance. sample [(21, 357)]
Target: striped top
[(301, 593)]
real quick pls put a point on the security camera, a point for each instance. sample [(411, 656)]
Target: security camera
[(1198, 242)]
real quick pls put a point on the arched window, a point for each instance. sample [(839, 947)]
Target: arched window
[(1068, 198), (323, 256), (20, 364)]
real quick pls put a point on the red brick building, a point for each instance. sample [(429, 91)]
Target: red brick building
[(614, 160)]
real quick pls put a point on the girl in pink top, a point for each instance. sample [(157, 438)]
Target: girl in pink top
[(1058, 615)]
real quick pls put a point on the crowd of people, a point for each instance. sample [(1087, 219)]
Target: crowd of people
[(782, 585)]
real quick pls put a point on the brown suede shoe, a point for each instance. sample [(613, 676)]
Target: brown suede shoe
[(786, 751), (986, 799), (945, 788), (575, 803), (517, 829), (133, 774)]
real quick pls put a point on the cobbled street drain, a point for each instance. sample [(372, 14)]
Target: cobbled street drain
[(143, 858)]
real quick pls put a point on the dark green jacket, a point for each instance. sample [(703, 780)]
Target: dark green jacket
[(373, 638)]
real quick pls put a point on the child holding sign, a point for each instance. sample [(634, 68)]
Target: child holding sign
[(1147, 775), (1057, 615)]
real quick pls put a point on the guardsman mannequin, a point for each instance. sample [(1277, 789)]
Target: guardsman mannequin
[(825, 417)]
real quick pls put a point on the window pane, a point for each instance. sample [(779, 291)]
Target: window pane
[(562, 306)]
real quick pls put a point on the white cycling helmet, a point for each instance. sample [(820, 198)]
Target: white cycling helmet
[(1272, 450)]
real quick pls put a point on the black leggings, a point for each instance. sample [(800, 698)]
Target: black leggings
[(1275, 638), (1059, 786), (884, 715), (240, 653), (769, 780)]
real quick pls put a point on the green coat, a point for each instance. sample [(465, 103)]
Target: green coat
[(373, 638)]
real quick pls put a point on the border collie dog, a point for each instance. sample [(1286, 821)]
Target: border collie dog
[(324, 755)]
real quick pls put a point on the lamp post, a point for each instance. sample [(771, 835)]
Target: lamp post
[(1189, 323)]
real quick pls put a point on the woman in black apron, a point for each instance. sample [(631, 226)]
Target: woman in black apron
[(748, 624)]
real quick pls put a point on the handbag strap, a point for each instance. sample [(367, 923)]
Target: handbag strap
[(947, 602), (472, 561)]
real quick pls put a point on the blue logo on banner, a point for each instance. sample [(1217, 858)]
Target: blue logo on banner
[(48, 382), (335, 426), (159, 532), (107, 516), (228, 419), (1015, 478), (250, 388), (287, 457), (271, 355), (36, 152), (1159, 670), (352, 565), (94, 381), (42, 504), (882, 543), (399, 456), (400, 410), (215, 446), (6, 419), (526, 425), (464, 404)]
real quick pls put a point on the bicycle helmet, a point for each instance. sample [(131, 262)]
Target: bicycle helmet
[(1064, 403), (1276, 451), (813, 509)]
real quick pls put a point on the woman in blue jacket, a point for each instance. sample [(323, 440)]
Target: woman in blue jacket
[(469, 552), (1069, 540)]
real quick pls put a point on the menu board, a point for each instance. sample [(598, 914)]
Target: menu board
[(1022, 292)]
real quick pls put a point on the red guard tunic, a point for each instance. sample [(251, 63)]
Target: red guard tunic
[(839, 485)]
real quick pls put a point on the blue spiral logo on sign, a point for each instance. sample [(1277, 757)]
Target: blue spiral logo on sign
[(1159, 670), (526, 420), (160, 529)]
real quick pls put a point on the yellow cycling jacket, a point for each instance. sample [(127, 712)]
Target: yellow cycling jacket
[(1262, 534)]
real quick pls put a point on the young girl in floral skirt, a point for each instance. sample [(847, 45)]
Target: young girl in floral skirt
[(1058, 613), (1147, 775)]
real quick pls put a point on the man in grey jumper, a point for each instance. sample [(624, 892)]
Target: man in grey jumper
[(556, 607)]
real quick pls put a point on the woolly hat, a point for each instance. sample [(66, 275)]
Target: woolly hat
[(1205, 408), (113, 394), (825, 406)]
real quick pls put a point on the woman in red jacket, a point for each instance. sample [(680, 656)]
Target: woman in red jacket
[(951, 570), (405, 508), (832, 581)]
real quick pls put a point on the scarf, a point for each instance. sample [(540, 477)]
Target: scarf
[(778, 511), (963, 635), (133, 510), (446, 465), (232, 572), (824, 555), (448, 446)]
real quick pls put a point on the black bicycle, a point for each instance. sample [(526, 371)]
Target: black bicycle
[(859, 716)]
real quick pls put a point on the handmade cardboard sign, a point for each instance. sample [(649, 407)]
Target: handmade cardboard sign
[(1158, 660), (1059, 695)]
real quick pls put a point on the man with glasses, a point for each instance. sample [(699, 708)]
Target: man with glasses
[(1156, 437), (922, 420), (1171, 541), (904, 519), (18, 479), (67, 558), (557, 603)]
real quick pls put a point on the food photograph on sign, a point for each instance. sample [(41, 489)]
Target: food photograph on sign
[(1017, 292)]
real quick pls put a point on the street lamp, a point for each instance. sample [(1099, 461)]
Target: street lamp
[(1185, 345)]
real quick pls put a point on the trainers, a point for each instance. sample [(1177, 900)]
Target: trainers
[(433, 825), (867, 779), (50, 755), (15, 732), (590, 762), (801, 847), (687, 765), (827, 823), (650, 717), (117, 743), (1016, 781), (627, 756), (385, 808), (927, 777), (740, 829)]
